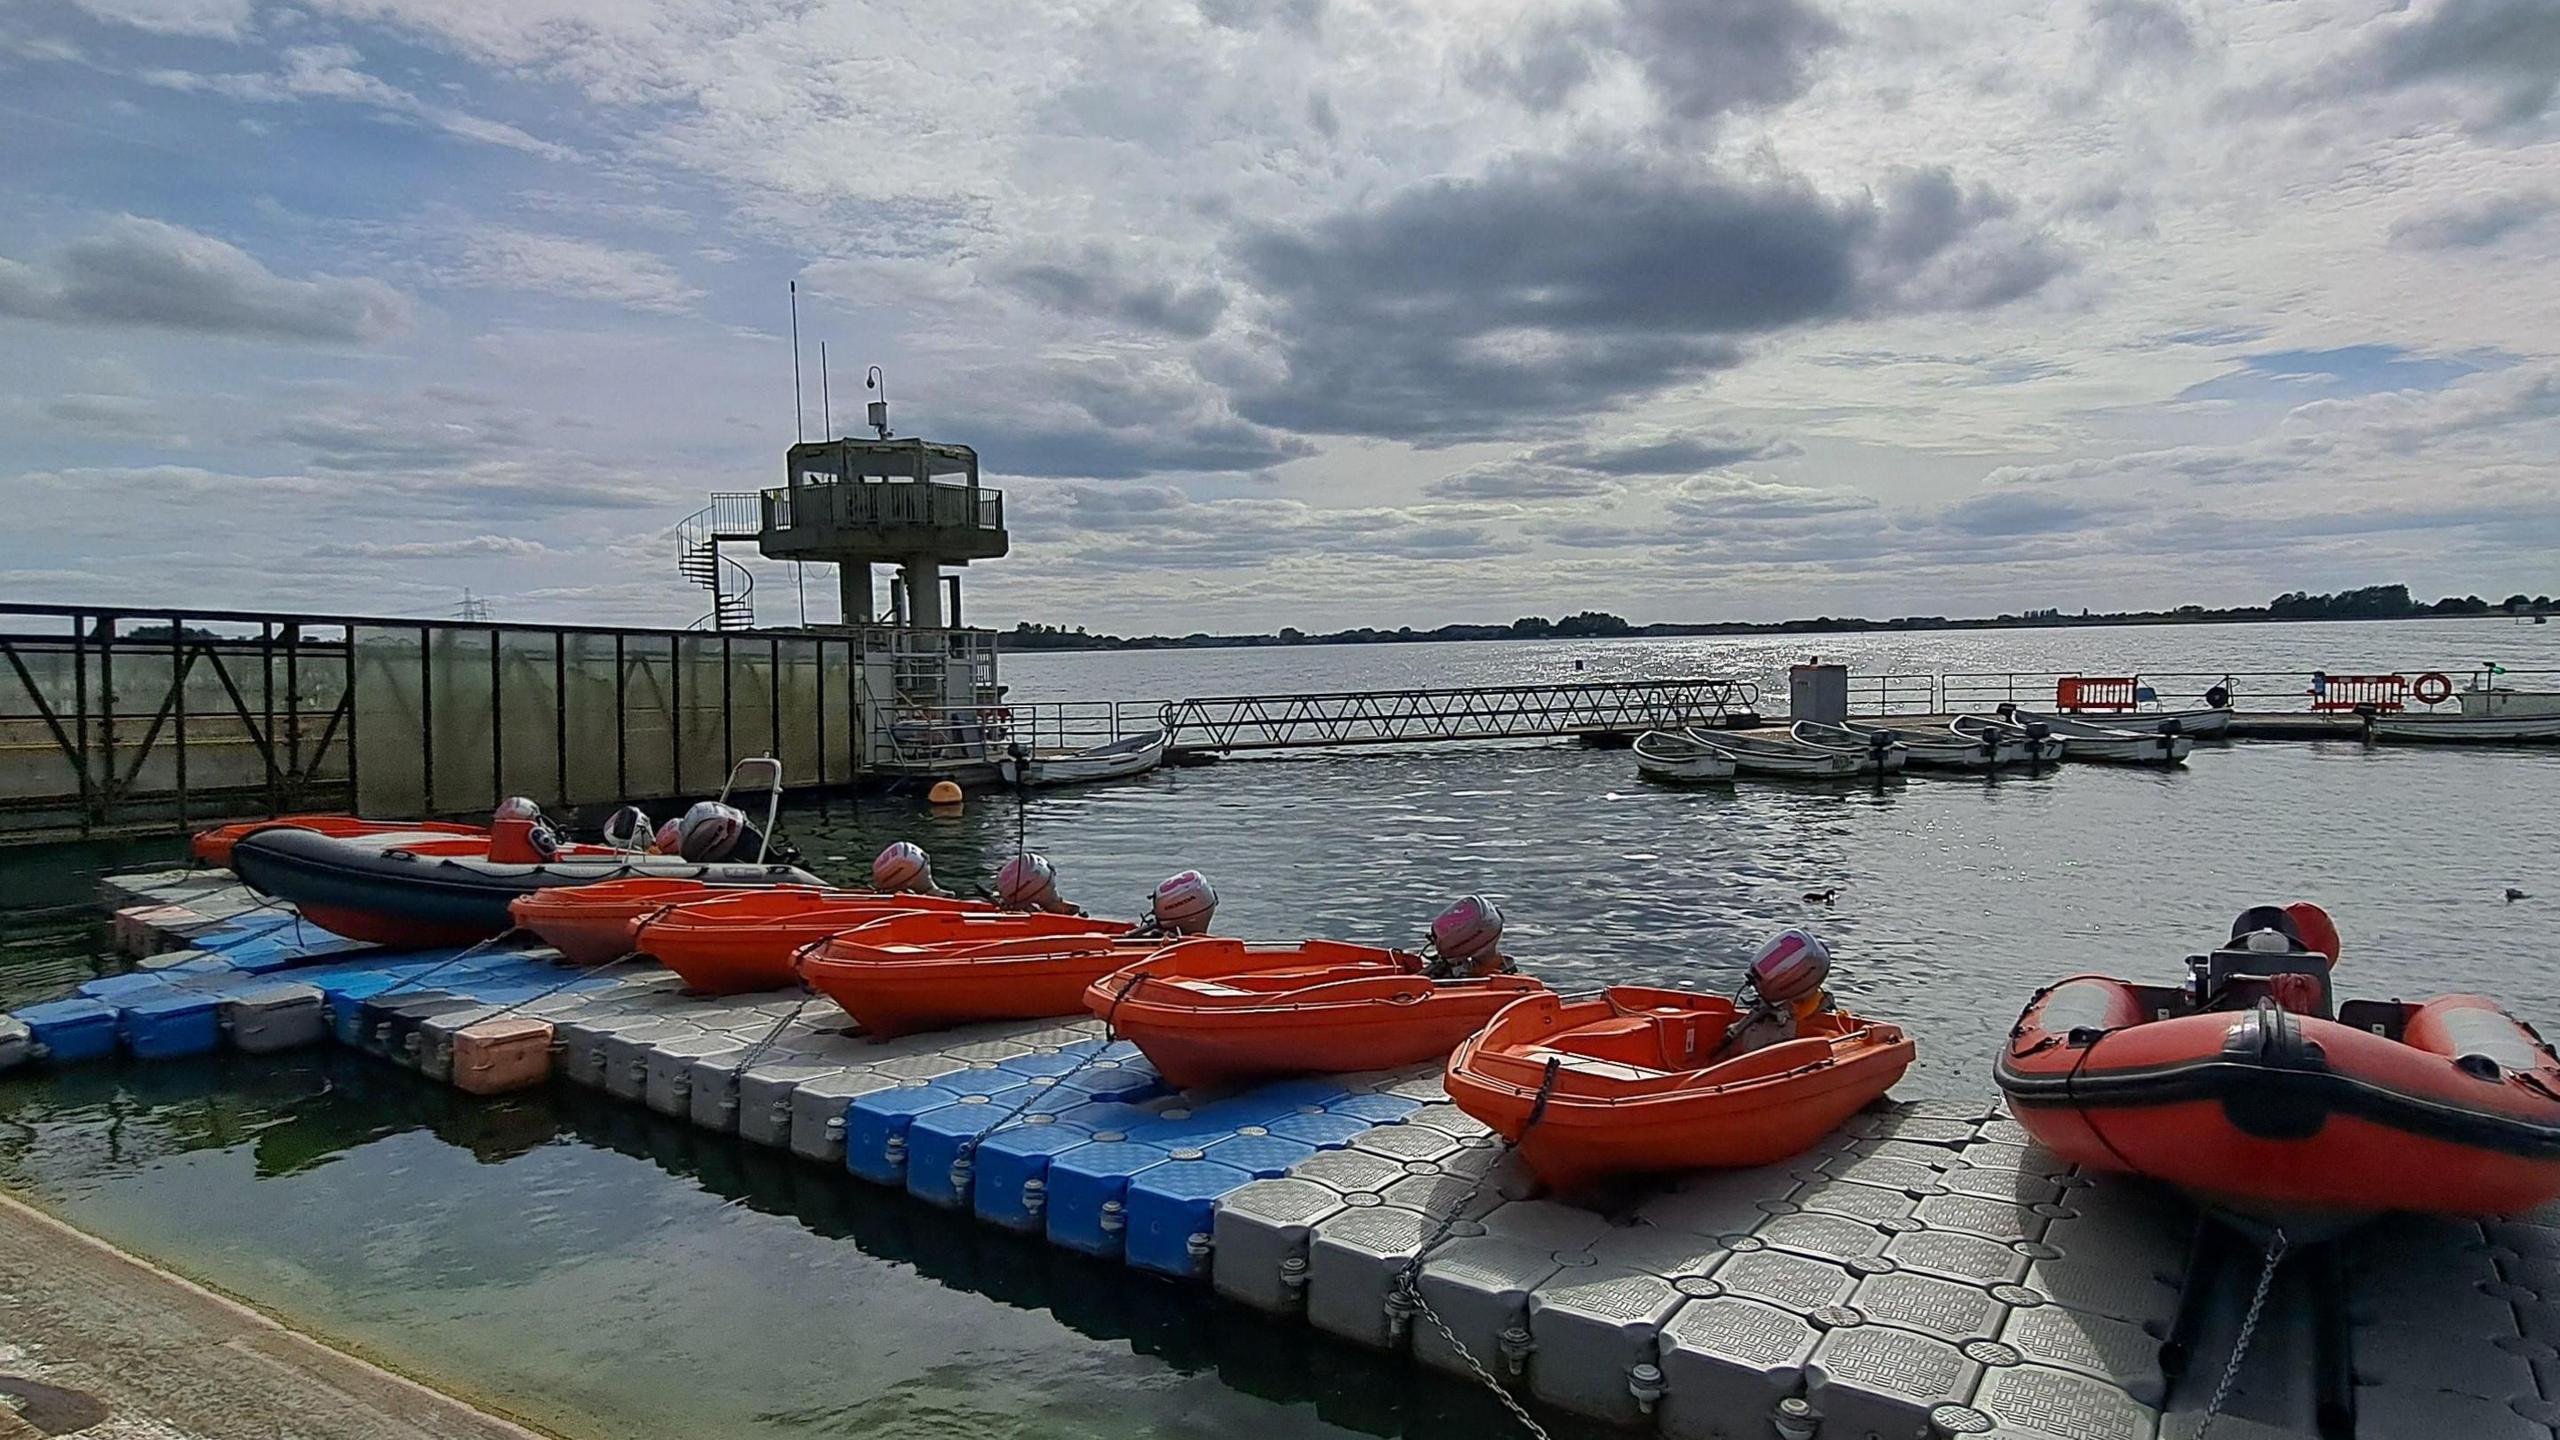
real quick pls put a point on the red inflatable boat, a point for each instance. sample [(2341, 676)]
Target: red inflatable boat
[(2240, 1089)]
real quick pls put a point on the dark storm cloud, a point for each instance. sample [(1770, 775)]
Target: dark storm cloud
[(1522, 301), (2508, 48), (2469, 224), (1700, 60), (138, 272), (1573, 468), (1111, 420), (1096, 283), (2005, 513)]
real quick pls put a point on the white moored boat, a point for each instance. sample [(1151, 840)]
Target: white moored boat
[(2086, 740), (1669, 755), (2477, 730), (1924, 747), (1117, 760), (1785, 759), (1880, 752), (2018, 744), (2210, 723)]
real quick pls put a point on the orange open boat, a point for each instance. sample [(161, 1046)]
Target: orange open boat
[(923, 972), (213, 847), (1212, 1011), (729, 944), (591, 924), (1628, 1082)]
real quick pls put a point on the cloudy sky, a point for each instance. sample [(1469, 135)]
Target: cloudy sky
[(1323, 312)]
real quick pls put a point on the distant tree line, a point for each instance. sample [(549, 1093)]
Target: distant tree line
[(2372, 602)]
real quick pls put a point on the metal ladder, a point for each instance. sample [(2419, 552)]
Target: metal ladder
[(698, 559)]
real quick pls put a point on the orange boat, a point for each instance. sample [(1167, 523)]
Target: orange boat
[(213, 847), (923, 972), (729, 944), (1212, 1011), (591, 924), (1628, 1082), (2239, 1089)]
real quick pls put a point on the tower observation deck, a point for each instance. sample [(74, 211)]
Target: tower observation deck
[(915, 504)]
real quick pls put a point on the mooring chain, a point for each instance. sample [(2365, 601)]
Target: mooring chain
[(1407, 1289), (2248, 1332), (510, 933)]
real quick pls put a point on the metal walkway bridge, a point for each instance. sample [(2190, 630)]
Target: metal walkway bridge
[(1606, 708), (1222, 724)]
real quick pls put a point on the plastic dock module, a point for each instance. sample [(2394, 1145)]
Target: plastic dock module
[(1594, 1338), (1088, 1188), (67, 1031), (1353, 1259), (277, 1015), (1728, 1362), (493, 1057), (872, 1113), (942, 1142), (668, 1085), (624, 1070), (1260, 1241), (1480, 1286), (170, 1024), (765, 1089), (821, 1122), (1880, 1380), (1172, 1213), (1009, 1185)]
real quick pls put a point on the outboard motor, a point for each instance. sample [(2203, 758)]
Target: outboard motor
[(901, 868), (1183, 905), (628, 829), (517, 834), (710, 832), (1466, 940), (1029, 882), (1791, 967), (664, 842)]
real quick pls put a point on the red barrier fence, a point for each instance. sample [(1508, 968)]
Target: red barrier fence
[(2331, 694), (2108, 694)]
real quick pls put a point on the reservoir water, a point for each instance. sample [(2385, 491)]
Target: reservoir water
[(604, 1273)]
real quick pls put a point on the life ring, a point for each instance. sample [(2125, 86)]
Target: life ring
[(2218, 697), (2432, 688)]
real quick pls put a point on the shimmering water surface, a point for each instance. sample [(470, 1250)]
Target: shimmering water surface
[(607, 1273)]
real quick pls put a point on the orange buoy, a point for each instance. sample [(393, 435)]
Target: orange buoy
[(924, 972), (729, 944), (1630, 1082), (1210, 1011), (944, 792)]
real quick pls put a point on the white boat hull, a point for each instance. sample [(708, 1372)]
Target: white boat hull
[(2465, 729), (2113, 745), (1785, 759), (1661, 755), (2210, 724), (1116, 761)]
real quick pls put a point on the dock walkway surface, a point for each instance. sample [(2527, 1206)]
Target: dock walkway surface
[(98, 1343), (1924, 1272)]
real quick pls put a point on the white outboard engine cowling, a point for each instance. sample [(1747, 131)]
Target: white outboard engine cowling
[(628, 829), (710, 832), (1184, 903), (516, 807), (1027, 882), (902, 866), (1466, 939)]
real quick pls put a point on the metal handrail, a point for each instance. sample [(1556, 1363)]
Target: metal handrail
[(876, 504)]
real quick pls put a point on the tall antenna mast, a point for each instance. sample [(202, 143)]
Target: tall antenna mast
[(826, 412), (799, 416)]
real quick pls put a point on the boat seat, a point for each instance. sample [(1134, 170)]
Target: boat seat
[(1594, 1066)]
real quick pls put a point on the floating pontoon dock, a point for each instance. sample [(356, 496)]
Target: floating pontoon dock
[(1925, 1272)]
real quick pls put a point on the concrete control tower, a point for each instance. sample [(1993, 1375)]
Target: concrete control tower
[(915, 504)]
